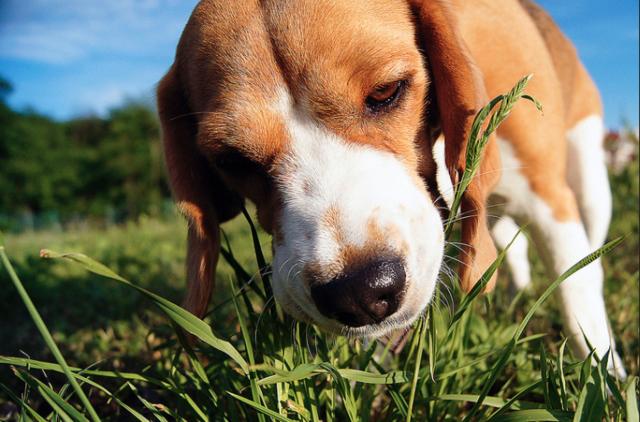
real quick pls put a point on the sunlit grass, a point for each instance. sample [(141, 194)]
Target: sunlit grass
[(479, 357)]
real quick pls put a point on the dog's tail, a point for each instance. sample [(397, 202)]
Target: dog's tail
[(588, 178)]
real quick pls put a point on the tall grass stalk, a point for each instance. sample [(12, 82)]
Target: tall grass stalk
[(46, 335), (475, 148)]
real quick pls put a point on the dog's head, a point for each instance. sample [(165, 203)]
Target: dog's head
[(324, 114)]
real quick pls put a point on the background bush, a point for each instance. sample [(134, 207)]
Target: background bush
[(88, 167)]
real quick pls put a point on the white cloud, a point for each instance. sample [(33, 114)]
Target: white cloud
[(104, 98), (61, 31)]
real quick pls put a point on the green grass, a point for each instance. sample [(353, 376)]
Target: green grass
[(473, 357), (295, 370), (92, 320)]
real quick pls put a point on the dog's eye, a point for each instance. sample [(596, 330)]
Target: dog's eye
[(384, 96), (235, 163)]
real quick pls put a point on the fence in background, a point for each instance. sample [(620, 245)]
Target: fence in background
[(53, 221)]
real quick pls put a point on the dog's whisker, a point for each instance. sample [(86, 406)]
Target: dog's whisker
[(446, 296), (306, 338), (293, 268), (461, 246), (458, 261), (265, 307), (448, 272), (285, 262), (293, 332), (489, 206)]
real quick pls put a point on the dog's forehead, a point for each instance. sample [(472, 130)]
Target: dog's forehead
[(242, 57), (261, 42), (309, 34)]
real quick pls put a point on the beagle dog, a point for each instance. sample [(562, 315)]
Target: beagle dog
[(345, 123)]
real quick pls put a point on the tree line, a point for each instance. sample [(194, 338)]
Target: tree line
[(86, 167)]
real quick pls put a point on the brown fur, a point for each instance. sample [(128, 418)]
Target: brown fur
[(580, 95), (490, 31), (218, 98)]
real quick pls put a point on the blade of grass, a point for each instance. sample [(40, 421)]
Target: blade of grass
[(48, 366), (632, 401), (23, 404), (432, 343), (416, 369), (78, 373), (480, 285), (179, 315), (590, 404), (477, 142), (298, 409), (563, 382), (64, 409), (242, 276), (307, 370), (585, 368), (262, 263), (255, 388), (364, 377), (345, 391), (605, 249), (154, 409), (535, 415), (544, 373), (401, 404), (502, 361), (85, 380), (489, 400), (46, 335), (507, 406), (200, 378), (260, 408), (549, 388), (484, 357)]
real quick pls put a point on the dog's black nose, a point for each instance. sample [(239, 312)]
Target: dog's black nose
[(366, 295)]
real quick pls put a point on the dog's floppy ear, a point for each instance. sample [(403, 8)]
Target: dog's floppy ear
[(459, 93), (199, 192)]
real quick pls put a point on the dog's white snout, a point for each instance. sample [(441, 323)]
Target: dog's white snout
[(361, 242)]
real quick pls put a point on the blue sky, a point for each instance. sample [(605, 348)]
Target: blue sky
[(71, 57)]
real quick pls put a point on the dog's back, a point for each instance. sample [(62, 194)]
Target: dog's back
[(581, 97), (586, 171)]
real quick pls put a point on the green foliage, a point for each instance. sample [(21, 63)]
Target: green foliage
[(34, 184), (51, 396), (89, 166), (296, 372), (94, 321)]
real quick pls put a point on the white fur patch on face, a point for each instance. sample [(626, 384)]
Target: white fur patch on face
[(361, 187)]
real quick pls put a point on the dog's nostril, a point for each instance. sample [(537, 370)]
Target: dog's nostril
[(365, 295), (379, 308)]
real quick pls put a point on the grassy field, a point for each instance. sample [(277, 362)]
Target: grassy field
[(93, 320), (111, 327), (467, 359)]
